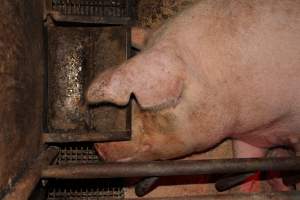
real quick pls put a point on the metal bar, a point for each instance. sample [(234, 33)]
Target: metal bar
[(56, 16), (290, 179), (85, 137), (145, 186), (229, 182), (26, 184), (47, 7), (171, 168), (237, 196)]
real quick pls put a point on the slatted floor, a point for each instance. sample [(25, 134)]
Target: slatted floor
[(98, 189), (85, 190), (78, 153)]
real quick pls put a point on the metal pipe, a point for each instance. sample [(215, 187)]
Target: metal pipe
[(237, 196), (85, 137), (172, 168), (145, 186), (26, 184), (231, 181), (290, 179)]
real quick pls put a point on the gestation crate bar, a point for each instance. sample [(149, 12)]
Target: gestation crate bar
[(42, 168), (171, 168), (157, 169)]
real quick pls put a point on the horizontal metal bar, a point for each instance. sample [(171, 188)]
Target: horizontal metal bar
[(85, 137), (58, 17), (171, 168), (237, 196), (24, 187)]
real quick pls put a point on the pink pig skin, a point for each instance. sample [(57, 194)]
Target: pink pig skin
[(220, 69)]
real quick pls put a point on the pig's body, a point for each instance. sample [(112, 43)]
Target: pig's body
[(220, 69)]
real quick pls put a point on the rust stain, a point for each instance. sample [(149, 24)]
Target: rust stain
[(66, 70)]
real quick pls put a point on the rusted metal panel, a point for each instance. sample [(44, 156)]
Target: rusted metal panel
[(65, 78), (75, 55), (28, 181), (21, 75), (171, 168)]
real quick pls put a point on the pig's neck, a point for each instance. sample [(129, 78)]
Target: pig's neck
[(228, 100)]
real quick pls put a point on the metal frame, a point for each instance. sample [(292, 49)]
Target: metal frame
[(41, 168), (85, 137), (171, 168), (24, 187)]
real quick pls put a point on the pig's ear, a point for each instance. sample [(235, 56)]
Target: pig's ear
[(158, 90), (154, 84), (139, 37)]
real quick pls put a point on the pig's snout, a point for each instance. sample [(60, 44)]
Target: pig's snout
[(108, 87), (97, 90)]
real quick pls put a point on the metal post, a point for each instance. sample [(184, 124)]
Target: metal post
[(26, 184)]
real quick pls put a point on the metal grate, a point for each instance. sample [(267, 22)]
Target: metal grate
[(85, 190), (103, 8), (78, 153)]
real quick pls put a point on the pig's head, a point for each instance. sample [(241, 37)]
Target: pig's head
[(156, 80), (155, 136)]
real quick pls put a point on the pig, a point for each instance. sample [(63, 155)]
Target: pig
[(219, 69)]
